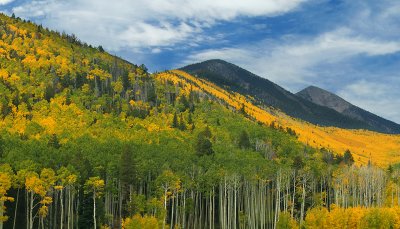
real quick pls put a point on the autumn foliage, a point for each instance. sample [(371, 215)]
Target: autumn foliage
[(89, 140), (365, 145)]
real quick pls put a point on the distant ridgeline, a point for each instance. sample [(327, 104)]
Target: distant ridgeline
[(313, 105), (89, 140)]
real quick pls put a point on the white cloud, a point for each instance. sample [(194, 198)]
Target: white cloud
[(5, 2), (380, 98), (296, 62), (141, 23), (293, 60)]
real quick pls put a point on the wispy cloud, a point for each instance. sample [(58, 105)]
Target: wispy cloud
[(294, 59), (337, 45), (379, 98), (5, 2), (355, 58), (140, 23)]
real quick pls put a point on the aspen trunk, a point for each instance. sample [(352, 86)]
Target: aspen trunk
[(62, 209), (16, 209), (94, 210)]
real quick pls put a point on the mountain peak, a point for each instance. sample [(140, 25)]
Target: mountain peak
[(324, 98), (312, 104), (330, 100), (216, 61), (265, 92)]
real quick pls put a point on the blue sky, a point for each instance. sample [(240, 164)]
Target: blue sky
[(349, 47)]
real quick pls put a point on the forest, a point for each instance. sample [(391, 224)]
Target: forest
[(88, 140)]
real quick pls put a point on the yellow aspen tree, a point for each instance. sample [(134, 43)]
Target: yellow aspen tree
[(6, 175), (95, 186), (66, 180), (168, 183), (19, 183), (317, 218), (34, 188), (48, 178)]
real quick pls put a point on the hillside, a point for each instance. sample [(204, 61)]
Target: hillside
[(75, 119), (366, 145), (266, 93), (330, 100), (88, 140)]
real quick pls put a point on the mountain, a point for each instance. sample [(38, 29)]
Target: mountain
[(330, 100), (81, 127), (89, 140), (265, 92)]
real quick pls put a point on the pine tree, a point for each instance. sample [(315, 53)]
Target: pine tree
[(207, 132), (244, 141), (126, 175), (175, 121), (1, 147), (243, 110), (185, 103), (182, 125), (53, 142), (203, 143), (190, 119), (338, 159), (348, 158)]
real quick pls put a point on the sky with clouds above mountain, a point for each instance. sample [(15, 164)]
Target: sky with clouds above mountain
[(349, 47)]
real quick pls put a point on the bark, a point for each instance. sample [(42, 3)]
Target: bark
[(16, 209)]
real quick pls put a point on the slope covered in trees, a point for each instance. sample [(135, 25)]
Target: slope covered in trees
[(265, 92), (365, 145), (89, 140)]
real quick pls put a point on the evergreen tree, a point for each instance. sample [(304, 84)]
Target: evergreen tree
[(203, 143), (182, 125), (127, 171), (348, 158), (85, 219), (244, 141), (207, 132), (68, 98), (298, 162), (127, 175), (338, 159), (390, 169), (53, 142), (327, 156), (185, 103), (243, 110), (1, 147), (190, 119), (175, 121)]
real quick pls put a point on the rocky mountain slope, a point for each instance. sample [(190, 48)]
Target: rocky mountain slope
[(330, 100), (267, 93)]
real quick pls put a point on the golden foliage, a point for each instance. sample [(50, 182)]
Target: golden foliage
[(94, 185), (140, 222), (355, 217), (380, 149)]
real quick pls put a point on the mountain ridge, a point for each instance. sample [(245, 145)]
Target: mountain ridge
[(268, 93), (328, 99), (365, 145)]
